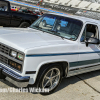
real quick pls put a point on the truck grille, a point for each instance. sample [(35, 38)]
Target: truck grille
[(4, 49), (3, 59), (8, 60)]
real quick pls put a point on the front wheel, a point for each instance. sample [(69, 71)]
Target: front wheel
[(51, 78)]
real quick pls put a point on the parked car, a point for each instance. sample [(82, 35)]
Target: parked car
[(23, 10), (53, 47), (34, 12), (38, 12), (9, 18)]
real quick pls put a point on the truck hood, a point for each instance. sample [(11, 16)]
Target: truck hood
[(27, 38)]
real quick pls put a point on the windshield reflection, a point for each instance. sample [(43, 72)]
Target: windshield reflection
[(57, 25)]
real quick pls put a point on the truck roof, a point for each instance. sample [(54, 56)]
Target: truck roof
[(81, 18)]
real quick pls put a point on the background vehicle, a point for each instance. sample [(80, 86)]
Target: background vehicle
[(9, 18), (14, 8), (30, 11)]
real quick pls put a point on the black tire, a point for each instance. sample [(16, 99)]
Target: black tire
[(24, 25), (47, 69)]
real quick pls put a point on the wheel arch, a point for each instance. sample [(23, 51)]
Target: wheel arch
[(64, 65), (28, 21)]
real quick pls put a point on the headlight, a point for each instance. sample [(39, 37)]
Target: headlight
[(20, 56), (13, 53)]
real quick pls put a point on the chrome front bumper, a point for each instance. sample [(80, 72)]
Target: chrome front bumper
[(13, 77)]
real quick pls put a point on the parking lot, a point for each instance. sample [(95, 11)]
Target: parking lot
[(81, 87)]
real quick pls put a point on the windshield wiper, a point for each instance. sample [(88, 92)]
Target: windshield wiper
[(56, 33), (39, 28)]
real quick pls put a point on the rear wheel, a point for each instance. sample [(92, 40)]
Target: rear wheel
[(24, 25), (51, 78)]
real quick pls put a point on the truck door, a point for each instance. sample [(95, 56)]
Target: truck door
[(4, 13), (89, 55)]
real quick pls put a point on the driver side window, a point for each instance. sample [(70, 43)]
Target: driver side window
[(90, 30)]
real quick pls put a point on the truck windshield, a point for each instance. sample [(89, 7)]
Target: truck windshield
[(57, 25)]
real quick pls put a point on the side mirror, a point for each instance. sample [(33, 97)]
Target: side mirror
[(91, 41)]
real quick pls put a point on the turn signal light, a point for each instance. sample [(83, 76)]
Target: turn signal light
[(15, 65)]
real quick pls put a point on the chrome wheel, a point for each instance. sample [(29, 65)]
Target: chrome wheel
[(51, 79)]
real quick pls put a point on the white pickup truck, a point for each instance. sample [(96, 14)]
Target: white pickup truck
[(54, 46)]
